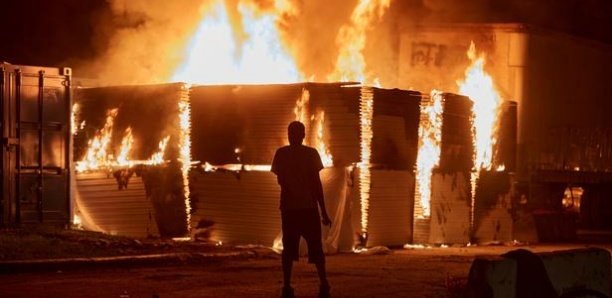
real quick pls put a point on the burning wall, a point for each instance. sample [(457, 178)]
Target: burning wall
[(127, 154)]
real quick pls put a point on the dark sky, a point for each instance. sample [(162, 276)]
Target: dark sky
[(64, 32)]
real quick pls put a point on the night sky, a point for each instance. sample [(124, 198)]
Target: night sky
[(66, 32)]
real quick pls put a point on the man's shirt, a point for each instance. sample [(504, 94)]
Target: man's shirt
[(297, 169)]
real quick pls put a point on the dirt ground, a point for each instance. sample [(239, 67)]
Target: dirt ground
[(403, 273)]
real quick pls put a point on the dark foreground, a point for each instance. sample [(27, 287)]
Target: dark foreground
[(404, 273)]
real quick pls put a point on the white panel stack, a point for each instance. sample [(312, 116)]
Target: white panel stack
[(450, 208), (390, 219), (243, 206)]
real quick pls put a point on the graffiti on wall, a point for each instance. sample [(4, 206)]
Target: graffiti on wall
[(428, 54)]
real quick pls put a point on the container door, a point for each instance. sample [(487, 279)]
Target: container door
[(41, 172)]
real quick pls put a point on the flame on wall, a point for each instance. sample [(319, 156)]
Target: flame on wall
[(430, 137), (301, 107), (479, 86), (351, 40), (185, 147), (248, 52), (97, 154), (326, 156), (366, 113), (126, 147)]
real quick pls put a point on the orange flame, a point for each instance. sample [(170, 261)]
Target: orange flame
[(301, 107), (126, 147), (430, 137), (326, 157), (185, 147), (351, 40), (366, 113), (478, 85), (158, 157), (97, 152), (219, 53)]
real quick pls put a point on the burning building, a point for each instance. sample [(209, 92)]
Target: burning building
[(459, 165)]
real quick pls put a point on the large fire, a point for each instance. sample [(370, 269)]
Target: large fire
[(248, 50), (478, 85), (430, 137), (351, 41)]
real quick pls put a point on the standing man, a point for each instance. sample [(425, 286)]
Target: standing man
[(297, 169)]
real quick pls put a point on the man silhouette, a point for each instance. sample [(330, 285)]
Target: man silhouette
[(297, 169)]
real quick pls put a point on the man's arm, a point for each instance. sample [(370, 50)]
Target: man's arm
[(321, 200), (318, 189)]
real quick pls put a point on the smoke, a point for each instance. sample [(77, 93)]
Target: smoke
[(142, 41), (310, 31)]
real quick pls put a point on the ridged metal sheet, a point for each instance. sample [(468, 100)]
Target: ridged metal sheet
[(390, 216), (125, 212), (244, 207)]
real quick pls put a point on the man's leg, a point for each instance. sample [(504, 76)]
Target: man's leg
[(322, 273), (287, 267)]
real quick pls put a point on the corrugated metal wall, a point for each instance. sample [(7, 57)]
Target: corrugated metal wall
[(243, 206), (125, 212)]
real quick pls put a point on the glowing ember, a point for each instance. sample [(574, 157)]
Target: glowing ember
[(185, 147), (97, 152), (366, 113), (351, 40), (248, 51), (478, 85), (126, 147), (430, 137), (324, 152)]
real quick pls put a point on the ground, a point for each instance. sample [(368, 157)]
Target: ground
[(430, 272)]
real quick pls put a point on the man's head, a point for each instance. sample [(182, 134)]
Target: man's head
[(296, 132)]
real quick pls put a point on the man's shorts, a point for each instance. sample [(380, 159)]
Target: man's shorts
[(305, 223)]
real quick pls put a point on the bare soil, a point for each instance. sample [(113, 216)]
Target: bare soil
[(430, 272)]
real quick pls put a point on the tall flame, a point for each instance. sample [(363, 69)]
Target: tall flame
[(301, 107), (126, 147), (430, 137), (366, 113), (320, 145), (185, 147), (478, 85), (351, 40), (219, 53), (97, 154)]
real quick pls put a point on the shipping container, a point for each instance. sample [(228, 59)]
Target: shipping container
[(35, 159)]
